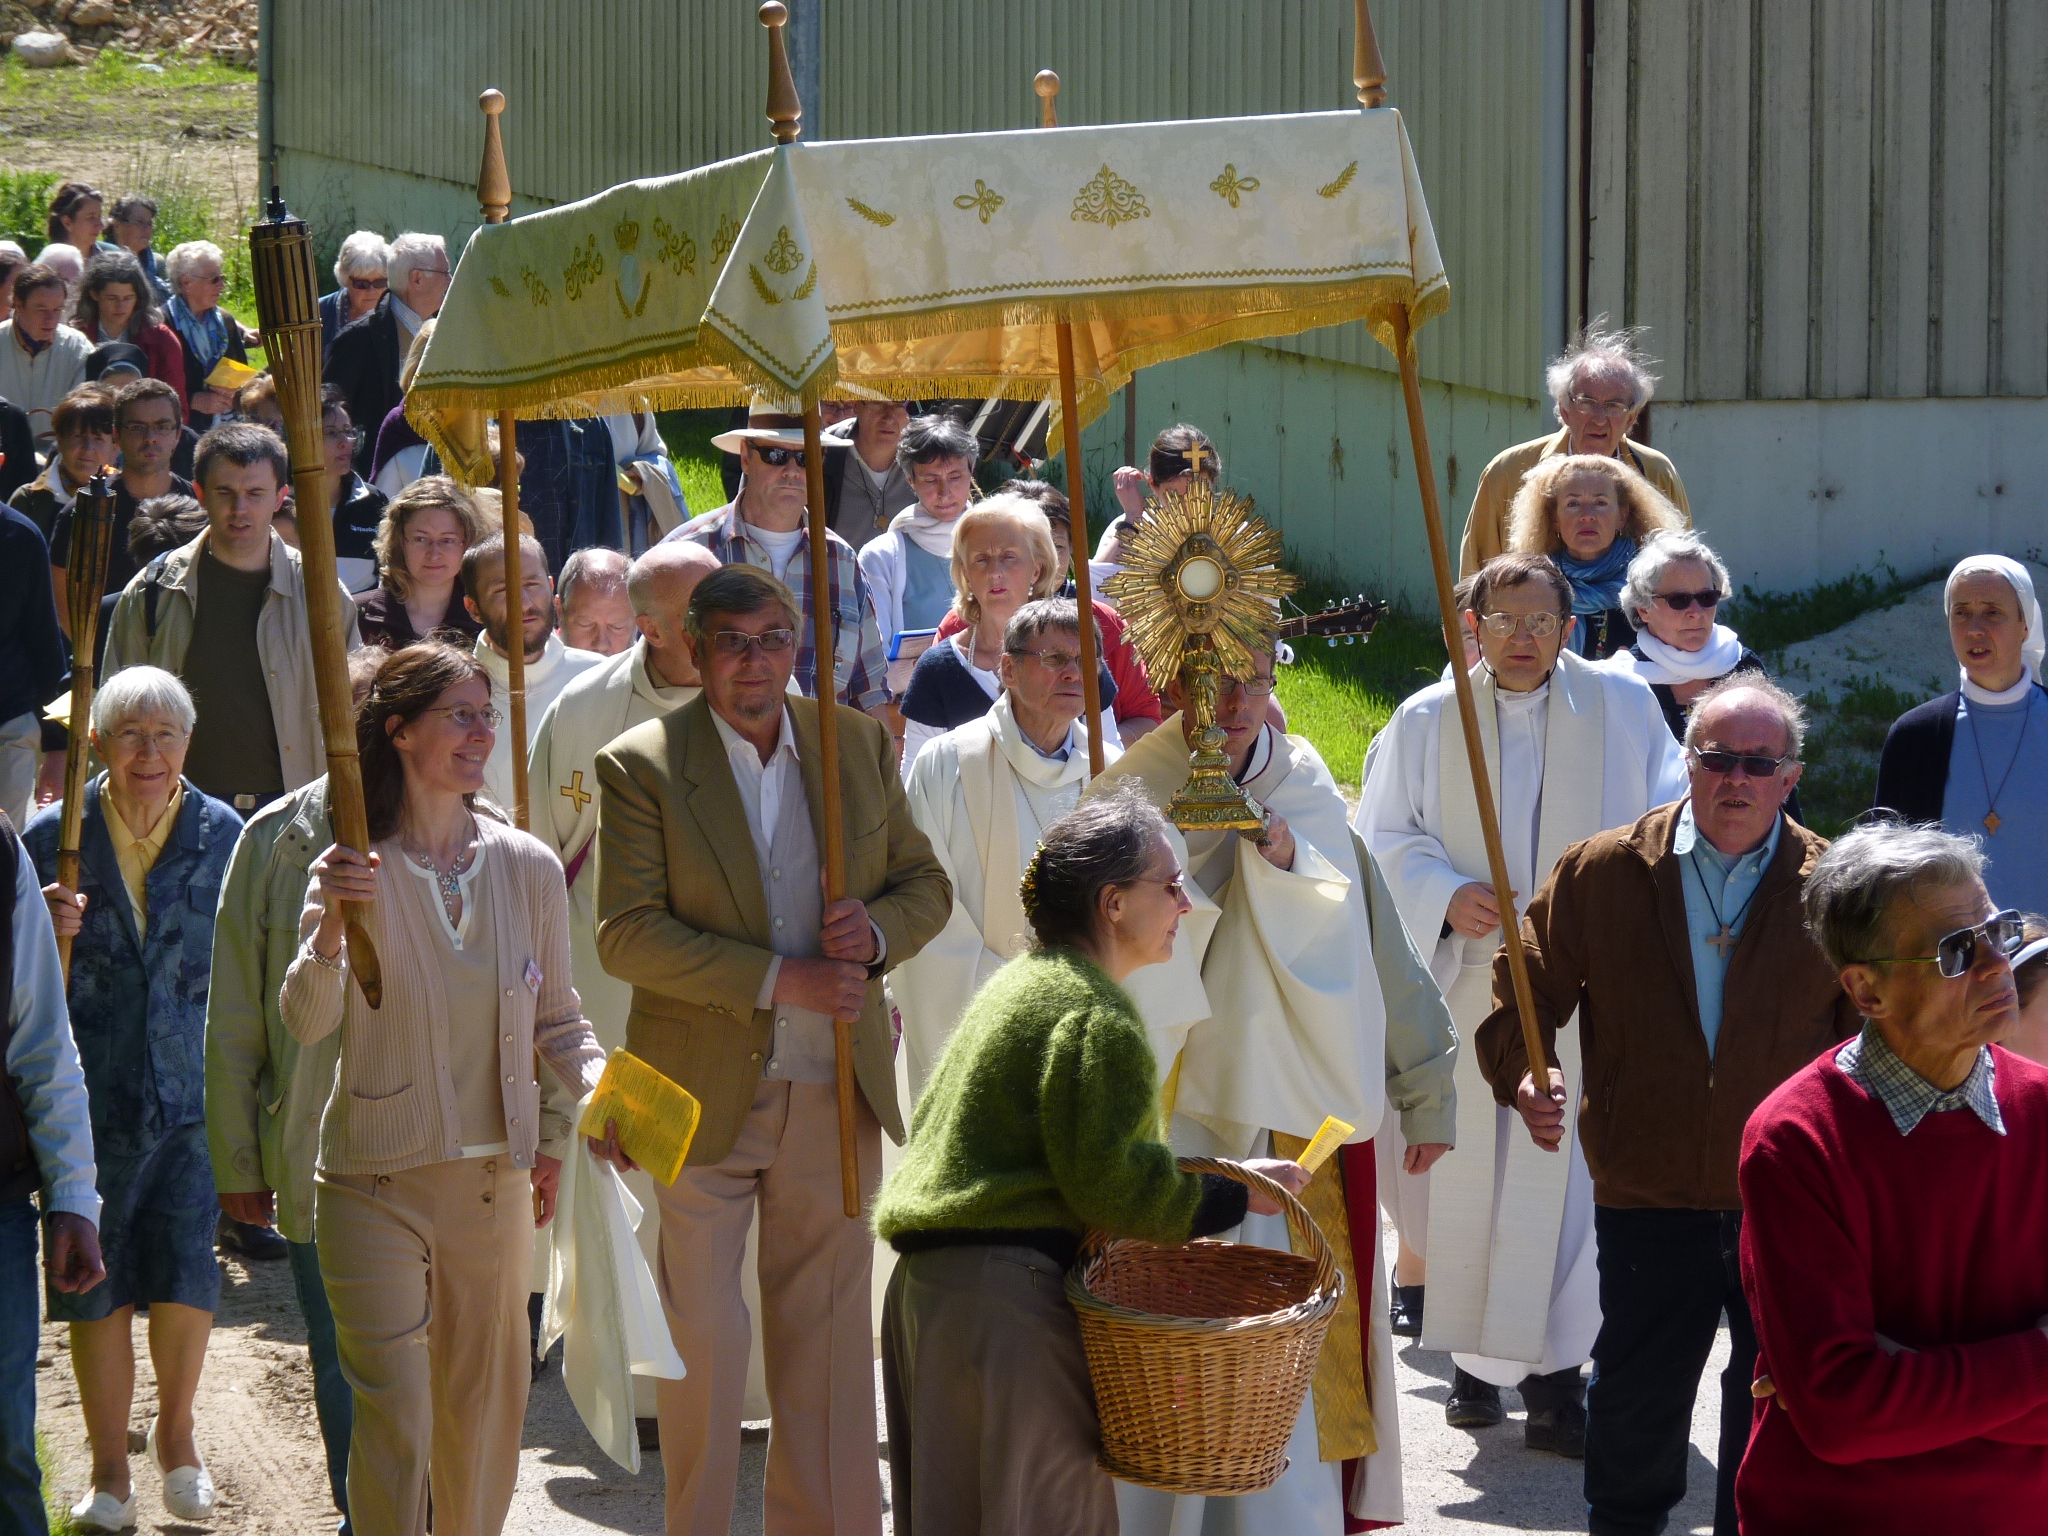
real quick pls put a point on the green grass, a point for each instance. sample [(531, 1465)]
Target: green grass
[(1770, 621), (688, 435), (1341, 696), (195, 87), (1842, 747), (54, 1504)]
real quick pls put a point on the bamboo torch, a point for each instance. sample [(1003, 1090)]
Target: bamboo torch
[(85, 573), (1369, 75), (287, 308), (785, 116), (1047, 85)]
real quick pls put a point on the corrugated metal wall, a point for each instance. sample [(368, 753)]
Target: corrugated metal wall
[(1825, 198)]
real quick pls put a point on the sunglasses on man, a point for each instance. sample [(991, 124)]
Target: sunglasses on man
[(1955, 954), (775, 458), (1755, 764)]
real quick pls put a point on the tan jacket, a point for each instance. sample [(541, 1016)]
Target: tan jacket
[(1486, 530), (393, 1105), (283, 639), (681, 913), (1661, 1120)]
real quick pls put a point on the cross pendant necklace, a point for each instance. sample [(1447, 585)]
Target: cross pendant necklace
[(1725, 941), (1727, 938), (1992, 820)]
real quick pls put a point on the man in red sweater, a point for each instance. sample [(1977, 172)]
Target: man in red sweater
[(1895, 1247)]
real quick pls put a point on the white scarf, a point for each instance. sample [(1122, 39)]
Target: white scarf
[(985, 773), (924, 530), (2032, 648), (1667, 664)]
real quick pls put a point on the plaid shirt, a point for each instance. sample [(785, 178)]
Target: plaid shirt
[(1907, 1096), (862, 670)]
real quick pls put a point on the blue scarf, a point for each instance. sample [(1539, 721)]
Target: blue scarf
[(206, 335), (1596, 583)]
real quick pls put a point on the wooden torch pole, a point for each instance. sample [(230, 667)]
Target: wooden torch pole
[(92, 540), (287, 307), (1047, 84), (494, 197), (785, 116)]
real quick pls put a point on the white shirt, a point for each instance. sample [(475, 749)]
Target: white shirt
[(1524, 720), (781, 547)]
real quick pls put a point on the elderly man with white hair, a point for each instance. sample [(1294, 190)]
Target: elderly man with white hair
[(359, 283), (1598, 386), (364, 358), (1895, 1246), (592, 603)]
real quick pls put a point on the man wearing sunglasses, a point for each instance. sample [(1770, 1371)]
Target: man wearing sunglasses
[(1895, 1242), (1679, 943), (767, 526), (1571, 748), (711, 904)]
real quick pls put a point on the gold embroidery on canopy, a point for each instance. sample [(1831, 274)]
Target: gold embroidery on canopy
[(1108, 199), (626, 233), (678, 251), (721, 241), (809, 285), (585, 268), (872, 215), (498, 287), (1230, 186), (1343, 180), (537, 291), (984, 200), (768, 295), (783, 257)]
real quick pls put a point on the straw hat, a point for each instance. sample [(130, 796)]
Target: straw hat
[(773, 423)]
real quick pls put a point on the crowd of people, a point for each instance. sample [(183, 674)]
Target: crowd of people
[(1790, 1084)]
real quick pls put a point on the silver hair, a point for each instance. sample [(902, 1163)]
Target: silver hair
[(604, 570), (184, 258), (363, 253), (1789, 709), (137, 691), (1036, 617), (411, 251), (1606, 349), (1850, 894), (1659, 553)]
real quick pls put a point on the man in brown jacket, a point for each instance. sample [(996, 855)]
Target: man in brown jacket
[(1680, 945), (710, 903)]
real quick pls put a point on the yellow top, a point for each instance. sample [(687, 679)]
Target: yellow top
[(138, 855)]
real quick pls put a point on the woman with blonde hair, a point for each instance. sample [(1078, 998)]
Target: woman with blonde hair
[(441, 1144), (1003, 558), (1590, 514), (426, 530)]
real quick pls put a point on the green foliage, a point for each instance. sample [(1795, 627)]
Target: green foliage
[(1770, 621), (197, 84), (688, 435), (1842, 749), (25, 206), (55, 1505)]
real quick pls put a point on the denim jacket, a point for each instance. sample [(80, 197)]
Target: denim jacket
[(138, 1006)]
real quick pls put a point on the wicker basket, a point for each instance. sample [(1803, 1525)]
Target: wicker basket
[(1200, 1353)]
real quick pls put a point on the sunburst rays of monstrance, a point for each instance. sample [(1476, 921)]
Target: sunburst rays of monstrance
[(1200, 591)]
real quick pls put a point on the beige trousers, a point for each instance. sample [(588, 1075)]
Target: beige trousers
[(815, 1266), (426, 1271)]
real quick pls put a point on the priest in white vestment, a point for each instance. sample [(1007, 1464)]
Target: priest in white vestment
[(550, 665), (1571, 749), (1308, 999), (984, 794)]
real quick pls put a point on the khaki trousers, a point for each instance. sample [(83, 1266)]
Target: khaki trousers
[(426, 1273), (817, 1320)]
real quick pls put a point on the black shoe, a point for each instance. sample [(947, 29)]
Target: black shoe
[(250, 1239), (1560, 1430), (536, 1304), (1405, 1314), (1473, 1404)]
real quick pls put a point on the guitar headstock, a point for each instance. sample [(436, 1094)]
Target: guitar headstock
[(1347, 620)]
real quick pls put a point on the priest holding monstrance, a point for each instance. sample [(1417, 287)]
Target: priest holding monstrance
[(1299, 997)]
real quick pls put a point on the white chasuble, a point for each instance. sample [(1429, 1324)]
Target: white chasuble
[(984, 796), (1512, 1284)]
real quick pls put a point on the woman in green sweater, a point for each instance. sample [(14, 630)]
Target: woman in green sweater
[(1040, 1123)]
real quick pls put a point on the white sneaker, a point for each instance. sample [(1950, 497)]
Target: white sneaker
[(101, 1511), (188, 1491)]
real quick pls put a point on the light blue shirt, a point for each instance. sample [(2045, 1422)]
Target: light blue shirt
[(42, 1057), (1715, 883)]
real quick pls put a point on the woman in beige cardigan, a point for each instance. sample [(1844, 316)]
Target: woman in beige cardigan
[(436, 1149)]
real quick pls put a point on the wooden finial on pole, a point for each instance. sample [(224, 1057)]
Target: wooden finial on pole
[(493, 180), (1047, 84), (785, 109), (1368, 69)]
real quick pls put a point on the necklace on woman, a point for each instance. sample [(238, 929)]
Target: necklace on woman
[(1992, 820), (448, 881)]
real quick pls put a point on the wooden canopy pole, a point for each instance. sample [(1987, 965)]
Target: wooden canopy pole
[(287, 305), (494, 198), (1370, 76), (92, 541), (1047, 84), (785, 117)]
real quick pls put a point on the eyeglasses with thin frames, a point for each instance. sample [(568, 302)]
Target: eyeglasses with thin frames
[(1538, 626), (1613, 410), (736, 642), (1955, 954), (1053, 661), (468, 715)]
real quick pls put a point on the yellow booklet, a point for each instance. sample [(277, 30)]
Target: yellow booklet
[(656, 1118), (1328, 1138), (229, 375)]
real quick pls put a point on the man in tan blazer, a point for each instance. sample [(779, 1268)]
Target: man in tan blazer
[(710, 902)]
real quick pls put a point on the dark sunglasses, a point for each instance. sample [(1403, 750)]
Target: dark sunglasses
[(1684, 600), (1956, 953), (1754, 764), (777, 457)]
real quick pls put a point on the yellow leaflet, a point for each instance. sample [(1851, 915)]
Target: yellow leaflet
[(656, 1118), (1328, 1138)]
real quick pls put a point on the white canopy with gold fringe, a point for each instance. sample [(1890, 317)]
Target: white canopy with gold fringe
[(933, 267)]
